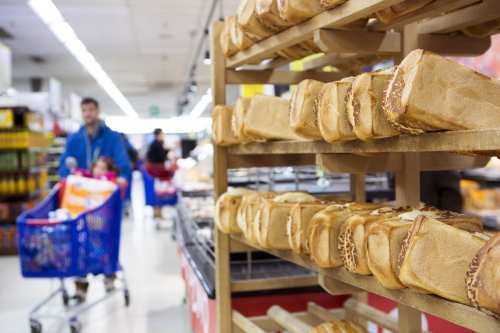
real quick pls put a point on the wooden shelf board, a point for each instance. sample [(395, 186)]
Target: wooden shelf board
[(479, 140), (9, 252), (459, 314)]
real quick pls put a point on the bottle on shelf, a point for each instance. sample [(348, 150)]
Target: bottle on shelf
[(11, 186), (21, 185)]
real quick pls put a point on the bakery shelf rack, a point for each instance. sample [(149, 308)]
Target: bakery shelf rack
[(429, 27)]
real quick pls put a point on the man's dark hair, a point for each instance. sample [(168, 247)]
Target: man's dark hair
[(157, 131), (90, 100)]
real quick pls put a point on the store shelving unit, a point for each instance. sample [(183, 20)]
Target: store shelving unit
[(405, 155)]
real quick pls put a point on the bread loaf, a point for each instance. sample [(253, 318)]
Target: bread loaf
[(294, 53), (296, 11), (248, 21), (330, 114), (482, 29), (364, 106), (249, 208), (238, 121), (221, 126), (359, 62), (268, 14), (268, 119), (239, 37), (329, 4), (247, 197), (301, 109), (339, 326), (324, 230), (272, 217), (226, 43), (226, 208), (430, 93), (397, 11), (435, 257), (483, 278), (298, 224)]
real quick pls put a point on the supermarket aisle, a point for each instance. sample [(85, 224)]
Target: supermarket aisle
[(153, 274)]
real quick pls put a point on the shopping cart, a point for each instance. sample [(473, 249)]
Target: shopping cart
[(155, 176), (87, 244)]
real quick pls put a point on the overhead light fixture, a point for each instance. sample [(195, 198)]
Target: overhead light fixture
[(206, 59), (50, 15), (174, 125), (193, 87), (201, 105)]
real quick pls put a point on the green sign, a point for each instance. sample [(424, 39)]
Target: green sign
[(154, 110)]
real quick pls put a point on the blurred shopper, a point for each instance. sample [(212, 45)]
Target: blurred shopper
[(157, 154), (133, 155), (94, 139)]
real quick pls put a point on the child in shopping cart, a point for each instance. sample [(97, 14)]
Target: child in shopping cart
[(104, 169)]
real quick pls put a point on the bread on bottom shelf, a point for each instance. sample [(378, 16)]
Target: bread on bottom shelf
[(248, 20), (238, 121), (226, 208), (298, 224), (297, 11), (268, 14), (395, 12), (339, 326), (226, 43), (430, 93), (364, 106), (268, 119), (435, 257), (221, 126), (483, 278), (302, 107), (329, 112)]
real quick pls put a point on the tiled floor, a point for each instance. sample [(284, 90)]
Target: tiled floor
[(153, 274)]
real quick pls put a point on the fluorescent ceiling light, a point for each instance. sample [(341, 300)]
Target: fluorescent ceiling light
[(50, 15), (202, 104), (171, 126)]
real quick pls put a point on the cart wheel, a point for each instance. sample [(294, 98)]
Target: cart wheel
[(65, 298), (76, 327), (36, 327)]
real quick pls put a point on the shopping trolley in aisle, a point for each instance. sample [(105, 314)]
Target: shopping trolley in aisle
[(87, 244), (159, 188)]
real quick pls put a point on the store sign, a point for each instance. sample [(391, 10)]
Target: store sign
[(154, 110), (5, 68)]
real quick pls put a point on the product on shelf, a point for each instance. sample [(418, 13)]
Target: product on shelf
[(8, 237), (249, 22), (430, 93), (298, 224), (250, 204), (221, 126), (482, 29), (270, 221), (363, 106), (483, 278), (397, 11), (238, 121), (268, 119), (435, 257), (227, 45), (226, 208), (330, 114), (268, 14), (238, 36), (339, 326), (301, 109), (297, 11), (329, 4)]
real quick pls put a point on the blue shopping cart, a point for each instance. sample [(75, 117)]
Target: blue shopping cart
[(87, 244)]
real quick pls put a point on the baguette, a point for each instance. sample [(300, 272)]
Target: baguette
[(226, 43), (296, 11), (329, 112), (268, 119), (298, 224), (268, 14), (397, 11), (238, 121), (363, 106), (221, 126), (249, 22), (483, 278), (339, 326), (301, 109), (226, 208), (435, 257), (430, 93)]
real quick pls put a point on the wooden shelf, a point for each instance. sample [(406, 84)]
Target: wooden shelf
[(9, 252), (478, 140), (459, 314)]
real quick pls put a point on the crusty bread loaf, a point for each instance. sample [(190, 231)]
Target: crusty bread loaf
[(329, 4), (296, 11), (221, 126), (435, 257), (330, 114), (397, 11), (272, 217), (324, 230), (269, 15), (302, 108), (483, 278), (298, 224), (249, 209), (430, 93), (482, 29), (364, 106), (226, 43), (268, 119), (238, 121), (247, 197), (249, 22), (226, 208), (339, 326), (467, 222), (239, 37)]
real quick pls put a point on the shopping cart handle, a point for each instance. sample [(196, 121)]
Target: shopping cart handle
[(42, 222)]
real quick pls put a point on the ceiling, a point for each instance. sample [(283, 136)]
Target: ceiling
[(145, 46)]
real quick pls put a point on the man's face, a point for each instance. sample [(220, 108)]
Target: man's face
[(90, 113), (159, 137)]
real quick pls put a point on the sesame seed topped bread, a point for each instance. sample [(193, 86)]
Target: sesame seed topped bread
[(428, 93), (302, 107), (221, 126), (296, 11), (483, 278), (435, 257)]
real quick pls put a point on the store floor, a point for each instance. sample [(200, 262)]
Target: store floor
[(153, 274)]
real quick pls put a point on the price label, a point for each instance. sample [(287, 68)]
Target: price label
[(6, 118)]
